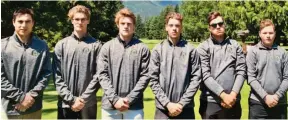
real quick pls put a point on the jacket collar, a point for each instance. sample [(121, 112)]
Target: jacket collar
[(216, 42), (261, 46), (80, 39), (16, 38), (181, 41)]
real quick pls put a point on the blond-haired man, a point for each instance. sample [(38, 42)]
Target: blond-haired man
[(123, 71), (175, 73), (74, 65)]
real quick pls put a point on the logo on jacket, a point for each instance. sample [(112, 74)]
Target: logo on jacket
[(35, 53), (277, 58), (183, 55), (134, 52)]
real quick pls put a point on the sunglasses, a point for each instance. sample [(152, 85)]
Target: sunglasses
[(214, 25)]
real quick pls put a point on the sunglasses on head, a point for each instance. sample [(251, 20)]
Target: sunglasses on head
[(214, 25)]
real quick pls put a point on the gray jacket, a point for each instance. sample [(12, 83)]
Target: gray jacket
[(267, 72), (24, 69), (74, 64), (175, 73), (223, 68), (123, 72)]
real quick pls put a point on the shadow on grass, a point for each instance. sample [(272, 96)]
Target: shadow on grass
[(50, 86), (148, 99), (50, 98), (48, 111)]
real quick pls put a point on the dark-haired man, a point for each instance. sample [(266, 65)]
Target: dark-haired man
[(223, 70), (25, 69)]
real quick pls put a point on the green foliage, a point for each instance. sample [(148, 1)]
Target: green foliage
[(140, 30), (195, 19), (155, 26), (176, 8), (51, 20), (238, 15)]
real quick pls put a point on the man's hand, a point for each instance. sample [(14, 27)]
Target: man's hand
[(271, 100), (174, 109), (225, 105), (26, 103), (20, 107), (122, 104), (233, 95), (275, 97), (78, 104), (228, 99)]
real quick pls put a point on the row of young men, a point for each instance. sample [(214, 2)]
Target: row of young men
[(123, 66)]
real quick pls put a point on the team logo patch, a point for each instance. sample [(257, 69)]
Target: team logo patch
[(182, 55), (35, 53), (229, 49), (86, 50), (134, 52), (276, 58)]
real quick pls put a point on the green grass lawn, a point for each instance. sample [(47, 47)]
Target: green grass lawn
[(50, 97), (50, 103)]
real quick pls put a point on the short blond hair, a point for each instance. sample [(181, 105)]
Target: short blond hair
[(79, 9), (173, 15), (124, 12), (266, 23)]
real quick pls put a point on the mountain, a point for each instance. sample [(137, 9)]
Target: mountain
[(148, 8)]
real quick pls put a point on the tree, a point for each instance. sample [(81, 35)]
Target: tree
[(140, 30), (238, 15), (176, 8), (195, 22), (51, 21)]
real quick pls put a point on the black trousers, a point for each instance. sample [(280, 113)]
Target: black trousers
[(211, 110), (187, 113), (258, 110), (85, 113)]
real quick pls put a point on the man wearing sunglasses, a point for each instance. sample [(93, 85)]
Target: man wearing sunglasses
[(223, 69), (267, 69), (74, 65)]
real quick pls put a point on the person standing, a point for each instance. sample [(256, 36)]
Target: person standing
[(123, 71), (223, 70), (25, 69), (74, 64), (267, 73), (175, 73)]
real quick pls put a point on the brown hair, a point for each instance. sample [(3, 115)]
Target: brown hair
[(173, 15), (23, 11), (124, 12), (213, 15), (265, 23), (79, 9)]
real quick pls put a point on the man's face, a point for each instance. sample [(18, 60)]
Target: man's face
[(174, 28), (23, 24), (80, 22), (217, 27), (267, 35), (126, 26)]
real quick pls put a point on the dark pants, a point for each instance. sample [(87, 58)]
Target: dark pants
[(187, 113), (85, 113), (211, 110), (258, 110)]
